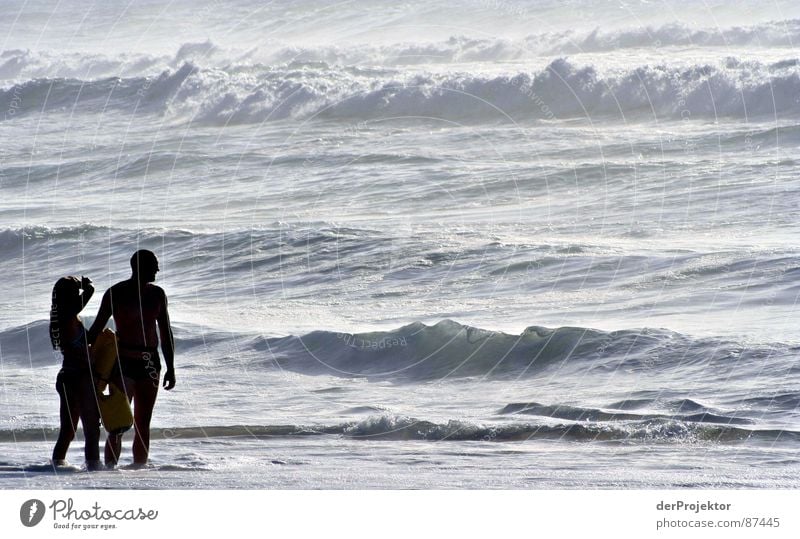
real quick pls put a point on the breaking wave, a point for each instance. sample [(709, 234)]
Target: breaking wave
[(388, 427), (22, 64), (563, 89)]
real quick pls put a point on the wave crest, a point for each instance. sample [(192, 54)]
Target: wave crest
[(564, 89), (24, 64), (449, 349), (389, 427)]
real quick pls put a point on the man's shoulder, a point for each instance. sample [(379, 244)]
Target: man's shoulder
[(115, 287), (155, 292), (120, 286), (127, 287)]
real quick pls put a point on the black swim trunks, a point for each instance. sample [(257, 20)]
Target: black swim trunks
[(139, 362)]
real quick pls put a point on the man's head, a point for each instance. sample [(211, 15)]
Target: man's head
[(144, 265)]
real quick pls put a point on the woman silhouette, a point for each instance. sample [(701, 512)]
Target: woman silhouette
[(75, 381)]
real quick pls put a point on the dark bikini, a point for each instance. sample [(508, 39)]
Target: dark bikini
[(78, 360)]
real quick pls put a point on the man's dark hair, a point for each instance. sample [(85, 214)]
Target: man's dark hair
[(143, 259)]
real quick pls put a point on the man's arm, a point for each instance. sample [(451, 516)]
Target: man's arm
[(102, 318), (167, 344)]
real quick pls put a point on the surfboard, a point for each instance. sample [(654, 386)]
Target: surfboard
[(115, 410)]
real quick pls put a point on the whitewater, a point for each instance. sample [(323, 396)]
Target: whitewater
[(455, 245)]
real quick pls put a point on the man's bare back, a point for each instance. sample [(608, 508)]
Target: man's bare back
[(136, 308)]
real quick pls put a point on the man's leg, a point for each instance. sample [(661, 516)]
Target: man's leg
[(144, 401)]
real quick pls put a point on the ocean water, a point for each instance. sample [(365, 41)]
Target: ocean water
[(478, 244)]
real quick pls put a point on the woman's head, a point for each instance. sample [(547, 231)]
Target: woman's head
[(66, 303)]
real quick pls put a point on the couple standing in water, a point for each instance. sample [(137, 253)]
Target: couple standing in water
[(138, 306)]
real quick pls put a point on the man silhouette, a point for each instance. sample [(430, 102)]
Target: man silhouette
[(137, 306)]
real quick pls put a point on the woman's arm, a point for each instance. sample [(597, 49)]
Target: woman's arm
[(88, 291), (102, 317)]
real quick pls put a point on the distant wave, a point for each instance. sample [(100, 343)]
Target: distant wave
[(649, 430), (388, 427), (578, 413), (781, 33), (465, 49), (15, 235), (24, 64), (564, 89), (415, 351), (262, 247), (448, 349)]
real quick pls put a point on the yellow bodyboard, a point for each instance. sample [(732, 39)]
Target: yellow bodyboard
[(115, 410)]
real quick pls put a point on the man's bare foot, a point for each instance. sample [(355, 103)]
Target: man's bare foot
[(94, 466)]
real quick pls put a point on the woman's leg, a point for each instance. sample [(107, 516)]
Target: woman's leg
[(90, 419), (69, 412)]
